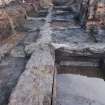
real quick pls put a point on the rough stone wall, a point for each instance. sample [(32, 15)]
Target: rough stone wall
[(45, 3), (14, 15), (4, 24), (41, 3), (11, 18), (75, 4), (94, 13), (100, 13), (6, 1)]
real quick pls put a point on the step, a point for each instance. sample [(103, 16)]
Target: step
[(63, 8), (79, 63)]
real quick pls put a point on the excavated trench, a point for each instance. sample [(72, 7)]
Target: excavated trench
[(79, 59), (68, 63)]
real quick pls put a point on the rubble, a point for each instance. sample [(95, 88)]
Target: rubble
[(17, 16), (5, 1), (18, 52), (93, 14), (5, 28)]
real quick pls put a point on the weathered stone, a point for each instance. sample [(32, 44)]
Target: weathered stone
[(93, 13), (11, 18), (75, 4), (45, 3), (72, 90), (35, 84), (29, 49), (62, 2), (85, 49), (5, 27), (18, 52), (5, 1), (9, 44), (10, 70), (18, 16)]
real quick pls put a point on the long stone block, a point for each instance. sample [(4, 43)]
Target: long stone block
[(35, 86)]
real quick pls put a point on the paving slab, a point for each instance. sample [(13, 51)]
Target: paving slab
[(80, 90)]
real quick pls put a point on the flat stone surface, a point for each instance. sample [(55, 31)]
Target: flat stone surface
[(10, 70), (80, 90), (71, 36), (85, 49), (35, 84)]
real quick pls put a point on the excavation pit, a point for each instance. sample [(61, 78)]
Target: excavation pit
[(86, 65)]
